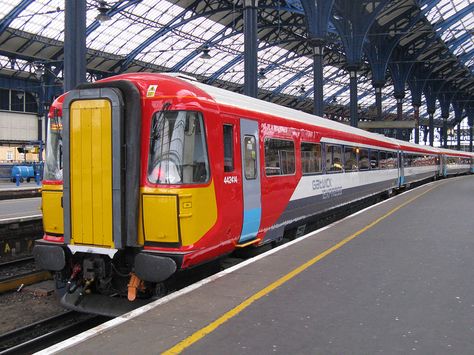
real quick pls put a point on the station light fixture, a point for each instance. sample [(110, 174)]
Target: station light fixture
[(103, 16), (205, 52), (39, 70), (261, 74), (302, 89)]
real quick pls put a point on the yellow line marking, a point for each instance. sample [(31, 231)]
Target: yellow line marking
[(198, 335)]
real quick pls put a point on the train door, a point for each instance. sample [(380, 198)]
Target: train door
[(250, 180), (92, 170), (232, 178), (401, 168)]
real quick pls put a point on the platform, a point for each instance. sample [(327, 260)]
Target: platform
[(394, 278), (19, 210), (9, 190)]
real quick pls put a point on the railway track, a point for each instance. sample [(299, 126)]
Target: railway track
[(19, 272), (47, 332)]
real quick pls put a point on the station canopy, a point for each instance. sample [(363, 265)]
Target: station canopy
[(204, 39)]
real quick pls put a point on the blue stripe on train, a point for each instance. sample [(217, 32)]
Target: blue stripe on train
[(251, 224)]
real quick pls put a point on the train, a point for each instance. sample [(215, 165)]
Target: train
[(151, 174)]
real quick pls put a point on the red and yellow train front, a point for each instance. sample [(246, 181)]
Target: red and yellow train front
[(129, 197)]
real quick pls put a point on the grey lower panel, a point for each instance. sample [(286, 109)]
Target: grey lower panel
[(419, 177), (456, 171), (302, 209)]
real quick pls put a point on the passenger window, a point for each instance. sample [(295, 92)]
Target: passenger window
[(392, 160), (279, 157), (350, 158), (228, 148), (250, 157), (374, 159), (310, 158), (383, 160), (333, 158), (363, 159), (407, 160)]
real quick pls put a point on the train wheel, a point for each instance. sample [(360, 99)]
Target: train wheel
[(28, 179)]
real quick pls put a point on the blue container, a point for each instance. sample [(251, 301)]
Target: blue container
[(23, 172)]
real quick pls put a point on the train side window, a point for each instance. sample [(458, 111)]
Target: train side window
[(279, 157), (311, 158), (374, 159), (407, 160), (250, 157), (228, 148), (333, 158), (363, 159), (392, 160), (350, 159), (383, 160)]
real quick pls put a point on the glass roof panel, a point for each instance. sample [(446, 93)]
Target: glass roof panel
[(7, 7), (136, 23)]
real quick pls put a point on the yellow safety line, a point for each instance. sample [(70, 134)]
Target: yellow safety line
[(178, 348)]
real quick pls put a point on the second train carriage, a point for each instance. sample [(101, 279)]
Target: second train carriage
[(160, 174)]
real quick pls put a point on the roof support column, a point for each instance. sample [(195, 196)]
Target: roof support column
[(459, 136), (399, 106), (74, 43), (354, 104), (318, 55), (470, 122), (431, 126), (470, 138), (250, 48), (378, 101), (317, 13), (416, 117), (445, 132)]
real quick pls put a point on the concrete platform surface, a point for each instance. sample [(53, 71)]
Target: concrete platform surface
[(396, 278), (10, 186), (20, 209)]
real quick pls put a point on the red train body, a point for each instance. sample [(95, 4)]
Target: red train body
[(162, 173)]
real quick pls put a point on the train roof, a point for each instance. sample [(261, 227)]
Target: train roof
[(229, 98), (455, 152), (404, 145)]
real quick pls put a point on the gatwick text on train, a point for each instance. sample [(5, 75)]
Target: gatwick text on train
[(326, 188)]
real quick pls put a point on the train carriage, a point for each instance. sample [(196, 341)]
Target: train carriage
[(150, 174), (455, 162), (418, 163)]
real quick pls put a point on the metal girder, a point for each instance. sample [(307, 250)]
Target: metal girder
[(176, 22), (74, 43), (237, 59), (445, 24), (317, 13), (379, 48), (445, 99), (115, 9), (326, 80), (466, 56), (250, 48), (13, 14), (456, 42), (218, 37), (429, 5), (353, 23), (458, 108), (292, 79)]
